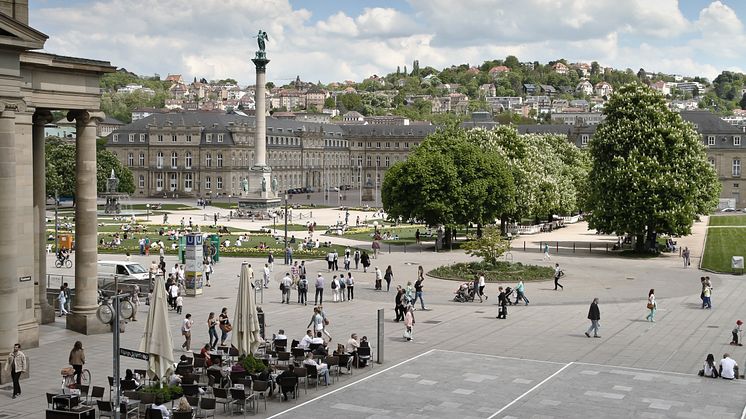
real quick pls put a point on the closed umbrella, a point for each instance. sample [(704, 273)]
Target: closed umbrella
[(157, 340), (246, 322)]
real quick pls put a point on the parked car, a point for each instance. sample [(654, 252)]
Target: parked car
[(332, 189), (127, 273), (728, 210)]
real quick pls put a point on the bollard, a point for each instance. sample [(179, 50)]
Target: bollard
[(556, 247), (590, 248), (389, 248), (405, 248), (524, 245), (607, 247), (573, 247), (379, 351)]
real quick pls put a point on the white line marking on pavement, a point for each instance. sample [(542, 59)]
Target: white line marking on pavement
[(498, 356), (348, 385), (530, 390)]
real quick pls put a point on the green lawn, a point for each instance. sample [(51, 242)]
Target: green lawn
[(294, 227), (406, 235), (721, 245), (728, 220)]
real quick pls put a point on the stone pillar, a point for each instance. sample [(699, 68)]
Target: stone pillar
[(260, 113), (83, 318), (8, 278), (44, 312)]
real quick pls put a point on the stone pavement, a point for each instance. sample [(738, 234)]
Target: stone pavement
[(550, 329), (471, 385)]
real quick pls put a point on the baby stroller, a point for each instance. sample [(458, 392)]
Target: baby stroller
[(508, 293), (464, 293)]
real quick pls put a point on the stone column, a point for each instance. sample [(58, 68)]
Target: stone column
[(260, 107), (8, 229), (83, 318), (44, 312)]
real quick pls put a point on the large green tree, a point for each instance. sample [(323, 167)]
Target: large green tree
[(60, 167), (649, 171), (449, 180)]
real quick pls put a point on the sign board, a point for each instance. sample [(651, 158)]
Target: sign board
[(194, 240), (737, 262), (134, 354)]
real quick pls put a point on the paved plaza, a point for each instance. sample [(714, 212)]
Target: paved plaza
[(637, 368), (471, 385)]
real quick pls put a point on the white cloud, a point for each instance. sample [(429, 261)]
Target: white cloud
[(214, 38)]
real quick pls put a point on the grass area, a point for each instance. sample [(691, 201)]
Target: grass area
[(406, 234), (721, 245), (728, 220), (294, 227), (502, 272)]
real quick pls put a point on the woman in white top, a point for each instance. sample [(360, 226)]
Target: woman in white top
[(652, 306), (62, 297), (710, 370), (335, 289)]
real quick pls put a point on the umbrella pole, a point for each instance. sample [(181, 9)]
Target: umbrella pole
[(116, 381)]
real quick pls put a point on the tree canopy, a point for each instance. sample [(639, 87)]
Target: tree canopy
[(649, 172), (60, 167), (449, 180)]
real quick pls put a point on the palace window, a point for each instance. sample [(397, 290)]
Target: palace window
[(160, 138), (208, 182), (220, 138), (141, 160), (220, 160), (141, 182), (208, 160), (174, 160), (130, 160), (219, 182), (173, 138), (159, 160), (188, 160), (737, 140), (132, 138), (208, 138), (187, 181), (159, 181), (115, 138), (142, 138), (584, 139), (710, 140), (736, 167)]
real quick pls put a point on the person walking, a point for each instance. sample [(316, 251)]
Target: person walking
[(350, 287), (342, 286), (347, 261), (707, 297), (481, 283), (62, 298), (76, 360), (267, 272), (685, 256), (271, 261), (319, 296), (206, 270), (225, 325), (173, 291), (388, 276), (317, 321), (557, 274), (502, 304), (409, 322), (329, 261), (135, 300), (179, 303), (286, 285), (356, 258), (68, 297), (17, 364), (594, 315), (652, 306), (546, 252), (335, 262), (212, 323), (186, 331), (365, 260), (418, 293), (335, 288), (303, 290), (737, 331), (520, 291), (379, 279), (399, 304)]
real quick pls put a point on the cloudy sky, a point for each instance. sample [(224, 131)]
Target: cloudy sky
[(349, 40)]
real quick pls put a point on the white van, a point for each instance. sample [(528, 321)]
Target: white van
[(126, 273)]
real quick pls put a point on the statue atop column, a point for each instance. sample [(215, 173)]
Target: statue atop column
[(264, 184), (274, 184), (261, 37), (245, 184)]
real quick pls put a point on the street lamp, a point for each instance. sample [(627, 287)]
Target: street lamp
[(360, 181), (287, 260), (375, 198), (147, 206), (56, 222)]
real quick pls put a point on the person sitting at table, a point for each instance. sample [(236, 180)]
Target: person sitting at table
[(352, 344), (185, 361), (130, 377), (321, 368), (174, 379), (164, 410), (307, 339), (319, 339), (237, 367), (322, 350), (183, 405), (205, 351), (290, 372), (280, 336)]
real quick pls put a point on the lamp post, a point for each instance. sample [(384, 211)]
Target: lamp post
[(360, 182), (56, 222), (375, 197), (230, 197), (147, 206), (286, 230)]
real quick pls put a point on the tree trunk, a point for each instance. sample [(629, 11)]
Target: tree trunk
[(640, 242), (447, 238), (504, 225), (479, 231)]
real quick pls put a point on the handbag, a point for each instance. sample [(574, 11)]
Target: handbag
[(407, 334), (651, 306), (67, 371), (326, 322), (227, 327)]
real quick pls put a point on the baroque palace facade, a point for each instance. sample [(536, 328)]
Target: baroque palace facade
[(208, 154)]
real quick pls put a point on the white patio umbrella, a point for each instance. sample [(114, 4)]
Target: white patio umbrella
[(157, 340), (246, 336)]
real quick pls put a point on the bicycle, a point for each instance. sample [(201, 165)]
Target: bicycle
[(63, 262), (68, 378)]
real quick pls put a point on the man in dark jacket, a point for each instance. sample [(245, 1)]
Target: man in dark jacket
[(398, 304), (502, 304), (594, 315)]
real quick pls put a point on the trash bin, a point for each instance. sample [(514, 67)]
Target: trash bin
[(737, 264), (214, 243)]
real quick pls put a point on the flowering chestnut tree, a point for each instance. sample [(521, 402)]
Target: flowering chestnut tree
[(649, 172)]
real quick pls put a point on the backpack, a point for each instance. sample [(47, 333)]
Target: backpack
[(341, 284), (334, 285), (303, 284)]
